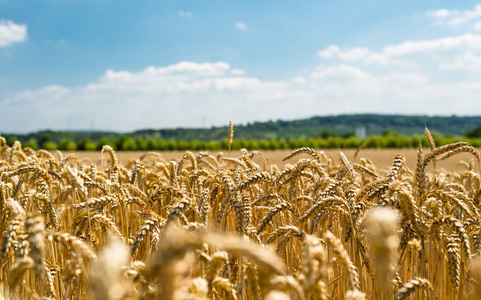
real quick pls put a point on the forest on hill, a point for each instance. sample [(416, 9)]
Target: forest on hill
[(320, 132), (339, 125)]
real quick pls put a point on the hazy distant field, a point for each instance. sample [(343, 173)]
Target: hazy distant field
[(381, 157)]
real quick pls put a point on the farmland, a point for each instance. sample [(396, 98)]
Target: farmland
[(382, 158), (381, 224), (240, 150)]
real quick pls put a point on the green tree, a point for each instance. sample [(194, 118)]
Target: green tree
[(49, 146), (475, 143), (352, 142), (183, 145), (67, 145), (32, 143), (301, 142), (474, 133), (282, 144), (127, 144), (293, 144), (273, 145), (213, 145), (161, 145), (11, 140), (170, 145), (86, 145), (327, 133), (253, 145), (150, 144), (141, 143), (242, 143), (105, 141), (90, 146), (264, 144), (415, 140), (197, 145), (375, 142), (313, 143), (333, 142)]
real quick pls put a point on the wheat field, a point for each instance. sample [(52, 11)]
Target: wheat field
[(381, 157), (238, 226)]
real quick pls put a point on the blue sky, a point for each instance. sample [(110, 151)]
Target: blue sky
[(121, 65)]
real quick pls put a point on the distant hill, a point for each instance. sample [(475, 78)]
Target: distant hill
[(339, 125)]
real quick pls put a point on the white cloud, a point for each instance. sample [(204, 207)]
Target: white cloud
[(52, 92), (12, 33), (174, 95), (464, 62), (430, 76), (182, 77), (241, 26), (238, 72), (459, 43), (477, 26), (186, 14), (441, 13), (354, 54), (455, 18), (329, 52), (455, 52), (339, 72), (185, 93)]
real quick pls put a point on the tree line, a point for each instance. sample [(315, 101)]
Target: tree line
[(127, 143)]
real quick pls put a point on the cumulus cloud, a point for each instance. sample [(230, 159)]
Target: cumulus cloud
[(477, 26), (455, 52), (238, 72), (339, 73), (430, 76), (183, 94), (329, 52), (441, 13), (52, 91), (185, 14), (456, 18), (241, 26), (11, 33), (176, 95)]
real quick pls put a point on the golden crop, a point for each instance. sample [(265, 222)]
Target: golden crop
[(222, 227)]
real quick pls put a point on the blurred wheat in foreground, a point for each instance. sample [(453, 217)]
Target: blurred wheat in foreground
[(216, 227)]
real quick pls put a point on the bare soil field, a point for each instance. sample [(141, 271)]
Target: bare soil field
[(382, 158)]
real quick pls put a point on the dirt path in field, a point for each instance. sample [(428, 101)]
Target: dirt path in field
[(382, 158)]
